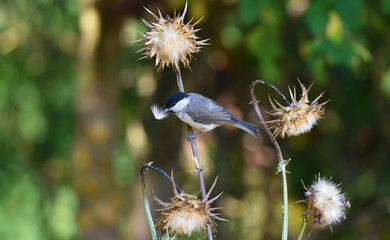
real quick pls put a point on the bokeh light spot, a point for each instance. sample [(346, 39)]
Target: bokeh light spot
[(136, 137), (385, 83), (62, 213), (32, 125), (297, 8), (36, 63), (218, 60), (146, 84), (334, 28), (230, 36)]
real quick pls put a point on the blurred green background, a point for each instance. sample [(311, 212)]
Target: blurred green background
[(75, 119)]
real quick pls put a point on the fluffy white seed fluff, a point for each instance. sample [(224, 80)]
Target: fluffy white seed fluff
[(185, 213), (326, 202), (158, 112), (186, 220)]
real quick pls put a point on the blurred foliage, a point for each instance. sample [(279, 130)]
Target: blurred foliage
[(37, 44), (341, 45)]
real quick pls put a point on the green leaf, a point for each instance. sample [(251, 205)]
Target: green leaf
[(316, 17), (351, 12), (385, 83), (248, 11), (385, 7)]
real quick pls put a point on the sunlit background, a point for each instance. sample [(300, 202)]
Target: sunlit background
[(76, 125)]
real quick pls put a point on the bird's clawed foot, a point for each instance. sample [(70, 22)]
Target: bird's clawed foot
[(192, 136)]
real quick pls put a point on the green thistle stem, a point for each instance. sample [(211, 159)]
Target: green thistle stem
[(281, 162), (147, 208), (303, 226), (285, 203)]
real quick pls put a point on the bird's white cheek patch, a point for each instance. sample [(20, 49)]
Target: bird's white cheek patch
[(182, 104)]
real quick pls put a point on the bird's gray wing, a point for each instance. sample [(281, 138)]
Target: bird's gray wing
[(207, 111)]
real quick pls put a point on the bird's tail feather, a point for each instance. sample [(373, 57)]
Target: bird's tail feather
[(250, 128)]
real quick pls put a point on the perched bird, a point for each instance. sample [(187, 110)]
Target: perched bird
[(203, 113)]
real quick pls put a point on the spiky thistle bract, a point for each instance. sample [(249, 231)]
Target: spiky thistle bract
[(186, 214), (297, 118)]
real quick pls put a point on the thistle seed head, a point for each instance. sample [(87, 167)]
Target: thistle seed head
[(297, 118), (170, 40), (186, 214), (326, 202)]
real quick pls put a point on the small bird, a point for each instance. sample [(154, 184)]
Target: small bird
[(203, 113)]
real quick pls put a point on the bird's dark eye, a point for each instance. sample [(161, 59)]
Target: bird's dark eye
[(168, 105)]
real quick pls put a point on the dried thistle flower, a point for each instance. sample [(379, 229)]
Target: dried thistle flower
[(186, 214), (297, 118), (158, 112), (171, 40), (325, 202)]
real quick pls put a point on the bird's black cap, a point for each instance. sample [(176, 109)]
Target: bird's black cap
[(174, 98)]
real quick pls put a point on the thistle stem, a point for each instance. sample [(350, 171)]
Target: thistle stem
[(199, 168), (285, 204), (262, 121), (147, 208), (276, 89), (179, 79), (302, 230), (148, 165), (282, 163)]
